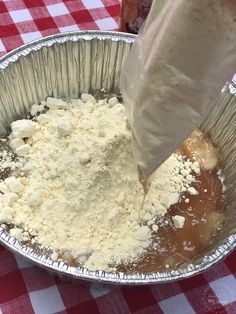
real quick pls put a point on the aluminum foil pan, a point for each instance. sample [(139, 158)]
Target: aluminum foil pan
[(66, 65)]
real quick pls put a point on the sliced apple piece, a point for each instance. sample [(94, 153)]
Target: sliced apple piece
[(198, 148)]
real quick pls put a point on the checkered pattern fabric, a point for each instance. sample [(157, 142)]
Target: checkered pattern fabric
[(25, 288), (22, 21)]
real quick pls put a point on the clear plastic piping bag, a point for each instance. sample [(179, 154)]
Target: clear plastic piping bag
[(174, 73)]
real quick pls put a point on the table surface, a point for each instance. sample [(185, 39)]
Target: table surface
[(25, 288)]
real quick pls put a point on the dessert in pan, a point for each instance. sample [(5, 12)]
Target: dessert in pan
[(69, 187)]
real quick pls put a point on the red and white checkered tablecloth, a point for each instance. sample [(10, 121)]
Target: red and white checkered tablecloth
[(22, 21), (25, 288)]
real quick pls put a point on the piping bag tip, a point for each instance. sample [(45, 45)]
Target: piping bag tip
[(144, 181)]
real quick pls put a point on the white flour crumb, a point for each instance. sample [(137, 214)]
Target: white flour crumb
[(155, 228), (23, 128), (54, 256), (178, 221), (14, 184), (80, 192), (192, 191), (22, 150), (17, 233)]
